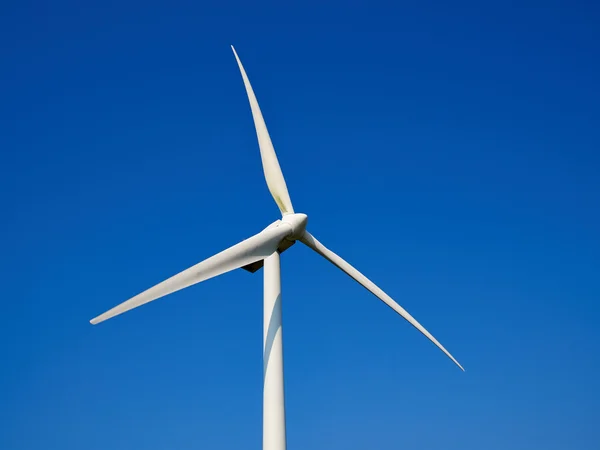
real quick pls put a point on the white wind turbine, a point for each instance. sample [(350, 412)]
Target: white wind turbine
[(251, 254)]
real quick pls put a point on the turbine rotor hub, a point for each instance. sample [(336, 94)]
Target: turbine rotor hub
[(297, 222)]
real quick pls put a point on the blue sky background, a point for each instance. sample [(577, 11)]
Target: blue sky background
[(459, 140)]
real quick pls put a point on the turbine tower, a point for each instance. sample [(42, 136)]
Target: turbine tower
[(264, 249)]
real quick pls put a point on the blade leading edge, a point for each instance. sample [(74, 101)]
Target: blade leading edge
[(271, 168), (313, 243)]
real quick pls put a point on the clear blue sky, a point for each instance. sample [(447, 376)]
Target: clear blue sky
[(462, 143)]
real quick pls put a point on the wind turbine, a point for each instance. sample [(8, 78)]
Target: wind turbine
[(263, 249)]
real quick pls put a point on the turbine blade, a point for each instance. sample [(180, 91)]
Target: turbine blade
[(313, 243), (273, 174), (253, 249)]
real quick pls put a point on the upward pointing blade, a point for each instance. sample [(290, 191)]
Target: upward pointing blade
[(313, 243), (273, 175)]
